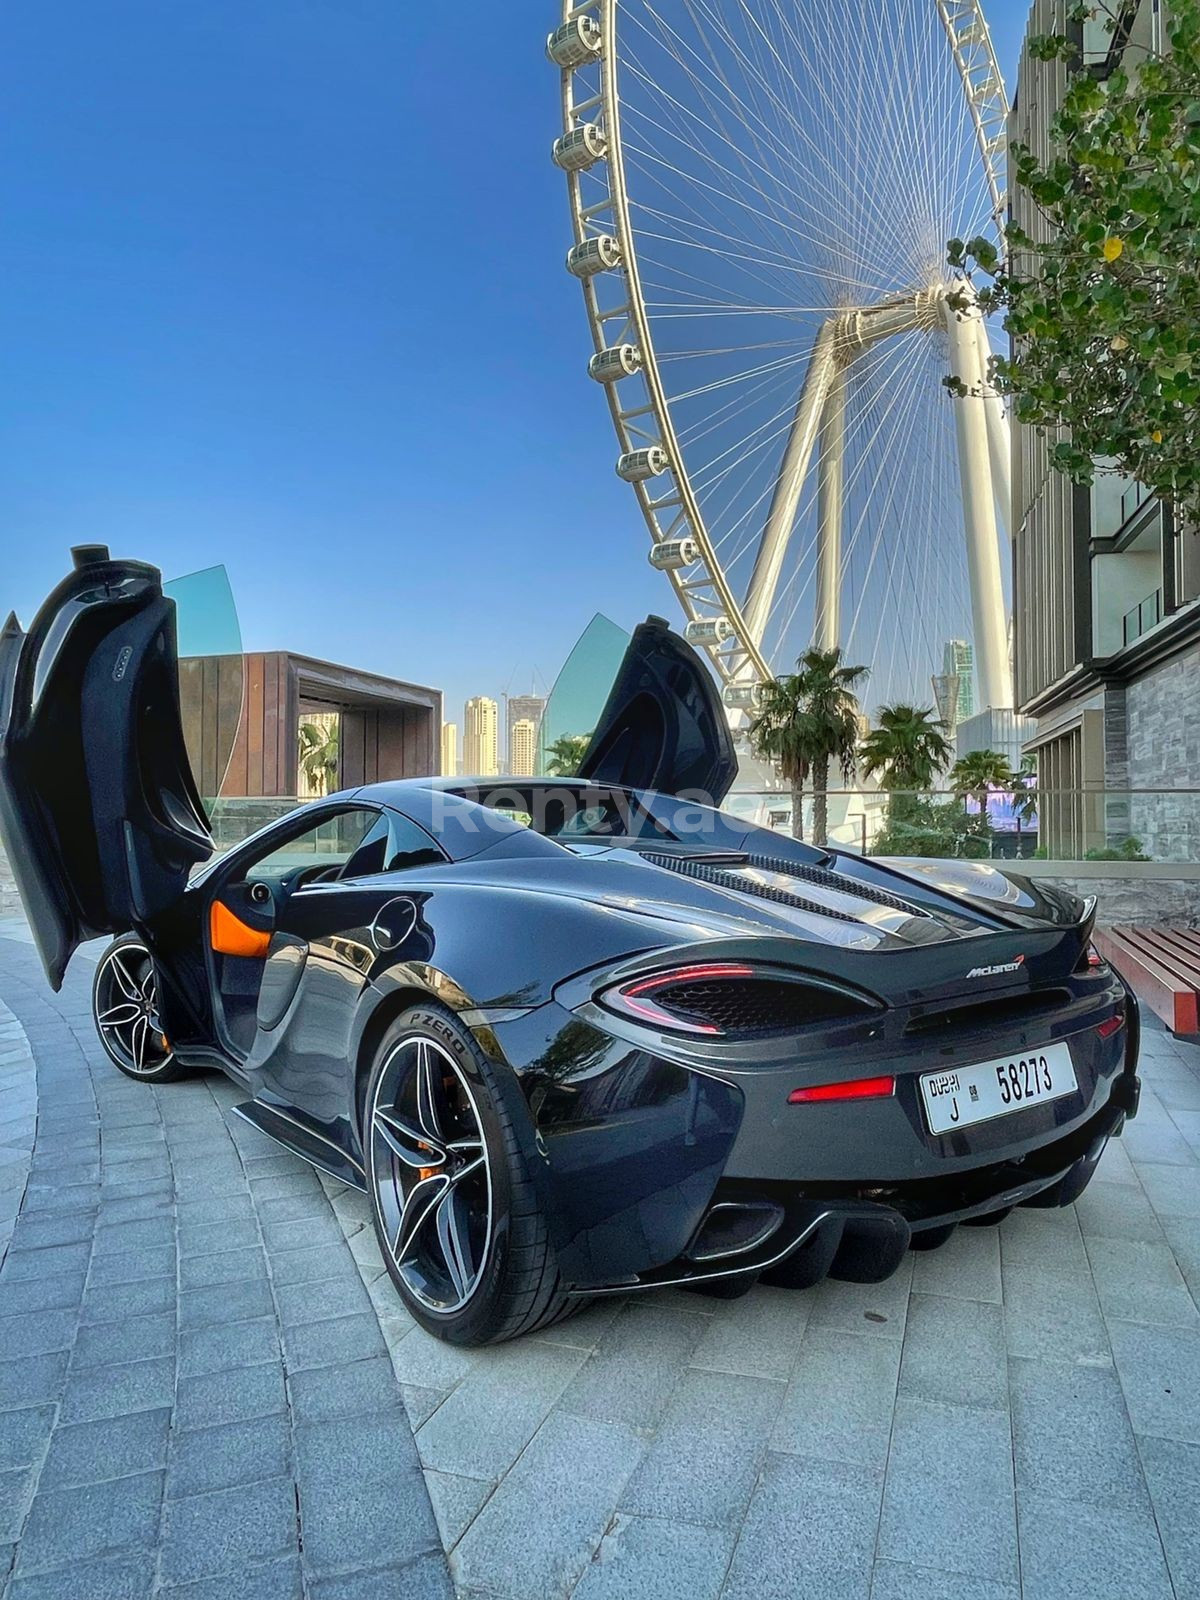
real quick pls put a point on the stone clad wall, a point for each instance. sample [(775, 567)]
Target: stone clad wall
[(1162, 737)]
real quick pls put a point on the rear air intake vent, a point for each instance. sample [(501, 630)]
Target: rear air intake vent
[(731, 878), (732, 1001)]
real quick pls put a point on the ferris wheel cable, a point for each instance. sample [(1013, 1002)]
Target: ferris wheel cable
[(781, 363), (747, 118), (898, 379)]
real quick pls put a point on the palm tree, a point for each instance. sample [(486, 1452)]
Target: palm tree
[(906, 749), (1025, 794), (804, 722), (565, 753), (319, 754), (974, 775)]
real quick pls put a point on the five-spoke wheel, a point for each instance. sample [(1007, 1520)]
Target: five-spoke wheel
[(455, 1213), (430, 1173), (125, 1009)]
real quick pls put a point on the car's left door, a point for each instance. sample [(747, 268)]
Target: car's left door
[(293, 940)]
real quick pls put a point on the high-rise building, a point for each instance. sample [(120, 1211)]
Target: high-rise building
[(522, 747), (450, 749), (522, 708), (1105, 584), (958, 661), (481, 729)]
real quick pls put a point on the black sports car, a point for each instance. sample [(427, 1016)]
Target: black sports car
[(573, 1037)]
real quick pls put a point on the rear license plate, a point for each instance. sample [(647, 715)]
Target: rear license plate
[(963, 1095)]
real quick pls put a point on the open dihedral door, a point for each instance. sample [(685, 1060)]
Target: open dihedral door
[(99, 812), (663, 725)]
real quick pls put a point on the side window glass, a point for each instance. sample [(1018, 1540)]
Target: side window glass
[(409, 846), (319, 852)]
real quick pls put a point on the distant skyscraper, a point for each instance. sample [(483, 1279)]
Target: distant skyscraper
[(450, 749), (522, 747), (481, 728), (958, 661), (522, 708)]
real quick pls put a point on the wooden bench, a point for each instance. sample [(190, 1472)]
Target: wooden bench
[(1161, 964)]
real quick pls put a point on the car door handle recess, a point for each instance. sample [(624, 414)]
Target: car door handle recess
[(393, 924)]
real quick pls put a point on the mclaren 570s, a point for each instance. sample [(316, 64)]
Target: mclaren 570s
[(573, 1037)]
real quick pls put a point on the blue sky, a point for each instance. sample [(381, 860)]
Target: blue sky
[(283, 288)]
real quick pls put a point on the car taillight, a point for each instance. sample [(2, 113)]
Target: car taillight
[(1090, 961), (730, 1000), (854, 1089), (1110, 1026)]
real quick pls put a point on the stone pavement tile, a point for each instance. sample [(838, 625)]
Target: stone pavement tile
[(1117, 1211), (321, 1228), (484, 1424), (892, 1580), (758, 1335), (219, 1347), (584, 1329), (1173, 1474), (362, 1495), (1139, 1282), (809, 1533), (115, 1301), (213, 1208), (16, 1491), (279, 1579), (1049, 1240), (838, 1405), (301, 1205), (1159, 1370), (37, 1333), (954, 1352), (425, 1578), (632, 1373), (1173, 1191), (228, 1266), (210, 1238), (311, 1266), (117, 1447), (235, 1396), (1071, 1435), (648, 1556), (115, 1578), (417, 1357), (327, 1343), (1160, 1142), (948, 1499), (128, 1266), (456, 1502), (966, 1267), (206, 1535), (537, 1533), (311, 1302), (134, 1339), (1074, 1550), (1183, 1235), (142, 1233), (230, 1453), (99, 1392), (95, 1519), (231, 1302), (1115, 1165), (353, 1389), (23, 1436), (32, 1380), (35, 1233), (1049, 1320), (44, 1262), (420, 1404), (59, 1292), (875, 1309), (703, 1463)]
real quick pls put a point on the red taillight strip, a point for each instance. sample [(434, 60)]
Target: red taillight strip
[(631, 996), (1108, 1028), (855, 1089)]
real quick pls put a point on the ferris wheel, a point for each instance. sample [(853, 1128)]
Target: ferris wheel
[(762, 192)]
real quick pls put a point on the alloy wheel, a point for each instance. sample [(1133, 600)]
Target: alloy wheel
[(430, 1175), (126, 1009)]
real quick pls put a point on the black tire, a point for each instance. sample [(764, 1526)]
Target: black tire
[(125, 981), (515, 1286)]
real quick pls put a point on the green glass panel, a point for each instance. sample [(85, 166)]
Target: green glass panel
[(582, 685)]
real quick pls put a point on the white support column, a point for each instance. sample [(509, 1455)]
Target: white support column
[(992, 674), (790, 482), (831, 477), (999, 437)]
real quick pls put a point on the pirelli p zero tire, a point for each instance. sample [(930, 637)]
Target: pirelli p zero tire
[(455, 1213), (125, 1011)]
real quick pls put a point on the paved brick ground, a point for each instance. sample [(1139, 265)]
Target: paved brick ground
[(195, 1396), (1016, 1414), (194, 1344)]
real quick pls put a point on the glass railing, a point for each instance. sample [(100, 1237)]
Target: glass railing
[(1144, 616), (1146, 825)]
